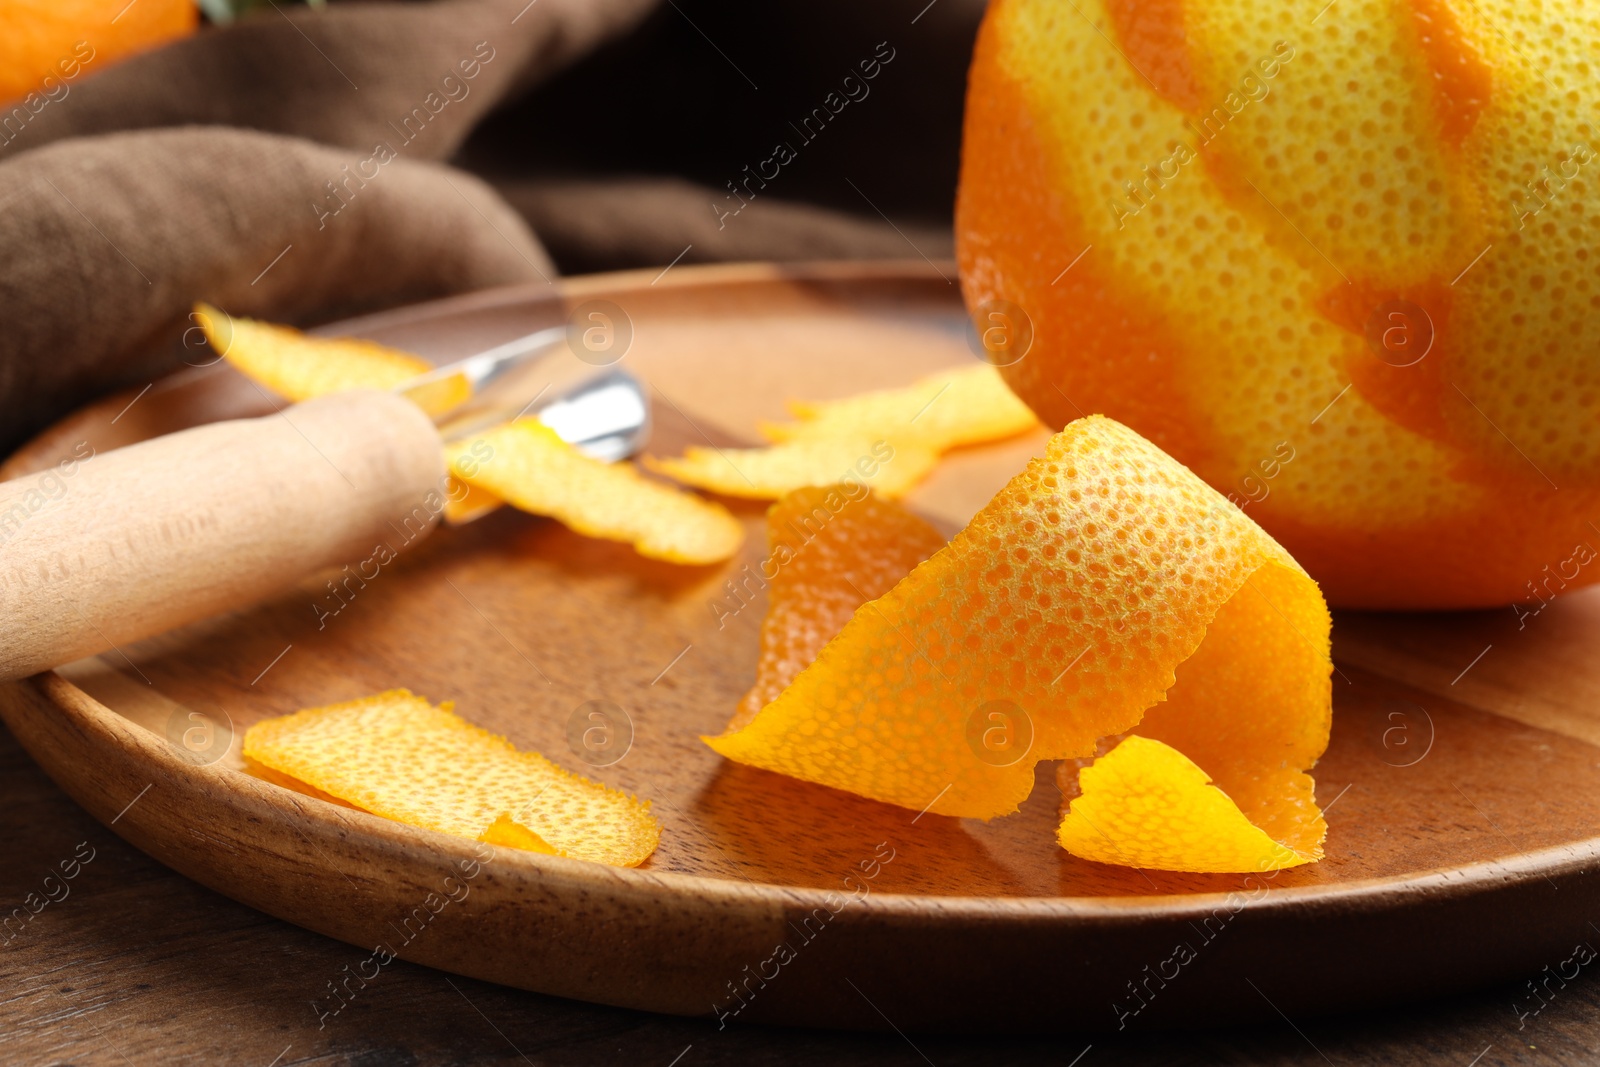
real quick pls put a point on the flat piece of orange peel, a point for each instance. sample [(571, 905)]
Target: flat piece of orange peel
[(892, 470), (396, 755), (1105, 588), (531, 467), (889, 439), (300, 367), (964, 405)]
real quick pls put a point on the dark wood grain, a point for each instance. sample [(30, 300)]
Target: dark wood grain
[(139, 964), (1468, 865)]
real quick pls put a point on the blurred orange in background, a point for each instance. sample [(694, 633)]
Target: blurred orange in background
[(60, 40)]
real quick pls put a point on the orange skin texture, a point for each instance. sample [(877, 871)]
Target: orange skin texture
[(831, 549), (529, 466), (1145, 804), (397, 755), (298, 366), (523, 462), (41, 34), (1104, 589), (1284, 187), (890, 438)]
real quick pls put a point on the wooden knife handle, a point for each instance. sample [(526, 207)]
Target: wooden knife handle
[(130, 543)]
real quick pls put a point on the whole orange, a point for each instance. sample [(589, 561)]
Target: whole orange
[(50, 43), (1341, 258)]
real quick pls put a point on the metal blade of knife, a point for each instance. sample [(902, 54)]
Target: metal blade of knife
[(605, 415)]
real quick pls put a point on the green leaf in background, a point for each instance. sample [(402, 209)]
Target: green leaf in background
[(228, 10)]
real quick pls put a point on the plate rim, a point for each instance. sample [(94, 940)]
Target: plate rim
[(1466, 880)]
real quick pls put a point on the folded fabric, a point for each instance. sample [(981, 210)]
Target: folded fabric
[(285, 166), (350, 74), (117, 236)]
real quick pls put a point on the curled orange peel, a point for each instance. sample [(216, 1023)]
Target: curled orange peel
[(396, 755), (1105, 588), (888, 439), (299, 367), (528, 465), (832, 548)]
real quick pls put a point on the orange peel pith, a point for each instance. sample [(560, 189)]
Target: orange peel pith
[(1105, 588), (532, 468), (395, 754), (299, 367), (832, 548), (889, 439), (1145, 804), (467, 502)]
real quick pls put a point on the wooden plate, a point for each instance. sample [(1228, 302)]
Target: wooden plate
[(1462, 788)]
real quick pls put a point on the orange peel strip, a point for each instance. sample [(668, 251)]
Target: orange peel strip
[(299, 367), (962, 406), (532, 468), (1145, 804), (769, 473), (466, 502), (889, 439), (831, 548), (1106, 587), (396, 755)]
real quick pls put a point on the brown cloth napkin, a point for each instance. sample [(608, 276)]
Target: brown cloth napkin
[(286, 165)]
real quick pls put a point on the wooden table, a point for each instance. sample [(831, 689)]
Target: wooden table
[(137, 965)]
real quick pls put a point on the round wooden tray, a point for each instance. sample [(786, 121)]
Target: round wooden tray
[(1462, 832)]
